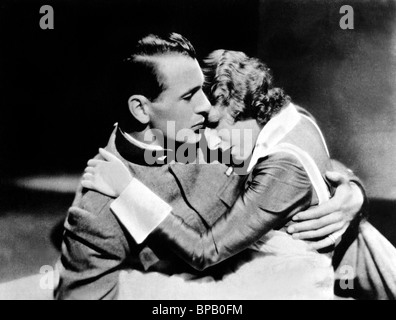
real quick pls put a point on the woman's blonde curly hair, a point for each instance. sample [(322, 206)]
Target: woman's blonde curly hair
[(244, 85)]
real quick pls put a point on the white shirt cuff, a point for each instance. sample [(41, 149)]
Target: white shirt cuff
[(140, 210)]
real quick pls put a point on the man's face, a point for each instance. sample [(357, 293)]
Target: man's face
[(182, 105)]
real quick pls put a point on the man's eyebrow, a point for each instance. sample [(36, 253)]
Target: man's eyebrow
[(191, 91)]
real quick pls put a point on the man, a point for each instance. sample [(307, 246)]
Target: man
[(163, 86)]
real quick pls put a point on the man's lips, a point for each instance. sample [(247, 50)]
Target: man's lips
[(198, 126)]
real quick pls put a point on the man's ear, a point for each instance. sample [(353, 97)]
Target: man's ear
[(138, 107)]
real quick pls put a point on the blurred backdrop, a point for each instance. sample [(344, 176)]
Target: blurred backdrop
[(58, 91)]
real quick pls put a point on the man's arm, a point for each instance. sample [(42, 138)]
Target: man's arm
[(93, 249), (343, 212), (359, 207)]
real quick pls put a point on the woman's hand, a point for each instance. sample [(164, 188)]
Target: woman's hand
[(109, 176), (332, 218)]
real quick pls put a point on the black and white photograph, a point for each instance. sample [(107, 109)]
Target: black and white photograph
[(198, 150)]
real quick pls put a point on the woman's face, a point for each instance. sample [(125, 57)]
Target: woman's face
[(238, 136)]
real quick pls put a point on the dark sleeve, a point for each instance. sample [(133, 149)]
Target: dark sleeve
[(353, 230), (93, 249), (279, 188), (339, 167)]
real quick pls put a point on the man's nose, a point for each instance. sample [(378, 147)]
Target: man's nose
[(203, 107)]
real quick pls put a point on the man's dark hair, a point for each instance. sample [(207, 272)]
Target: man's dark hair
[(139, 72)]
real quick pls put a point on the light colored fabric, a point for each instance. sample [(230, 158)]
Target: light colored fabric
[(310, 119), (273, 132), (140, 210), (370, 263), (36, 287), (283, 268)]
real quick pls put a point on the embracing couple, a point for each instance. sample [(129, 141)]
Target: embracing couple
[(266, 221)]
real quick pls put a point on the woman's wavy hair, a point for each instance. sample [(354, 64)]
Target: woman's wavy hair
[(242, 84)]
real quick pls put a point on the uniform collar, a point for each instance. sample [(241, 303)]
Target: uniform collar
[(138, 152)]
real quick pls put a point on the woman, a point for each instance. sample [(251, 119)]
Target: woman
[(286, 158)]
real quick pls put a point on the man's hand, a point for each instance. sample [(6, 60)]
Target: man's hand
[(332, 218)]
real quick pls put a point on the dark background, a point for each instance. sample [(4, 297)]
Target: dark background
[(57, 93), (57, 86)]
